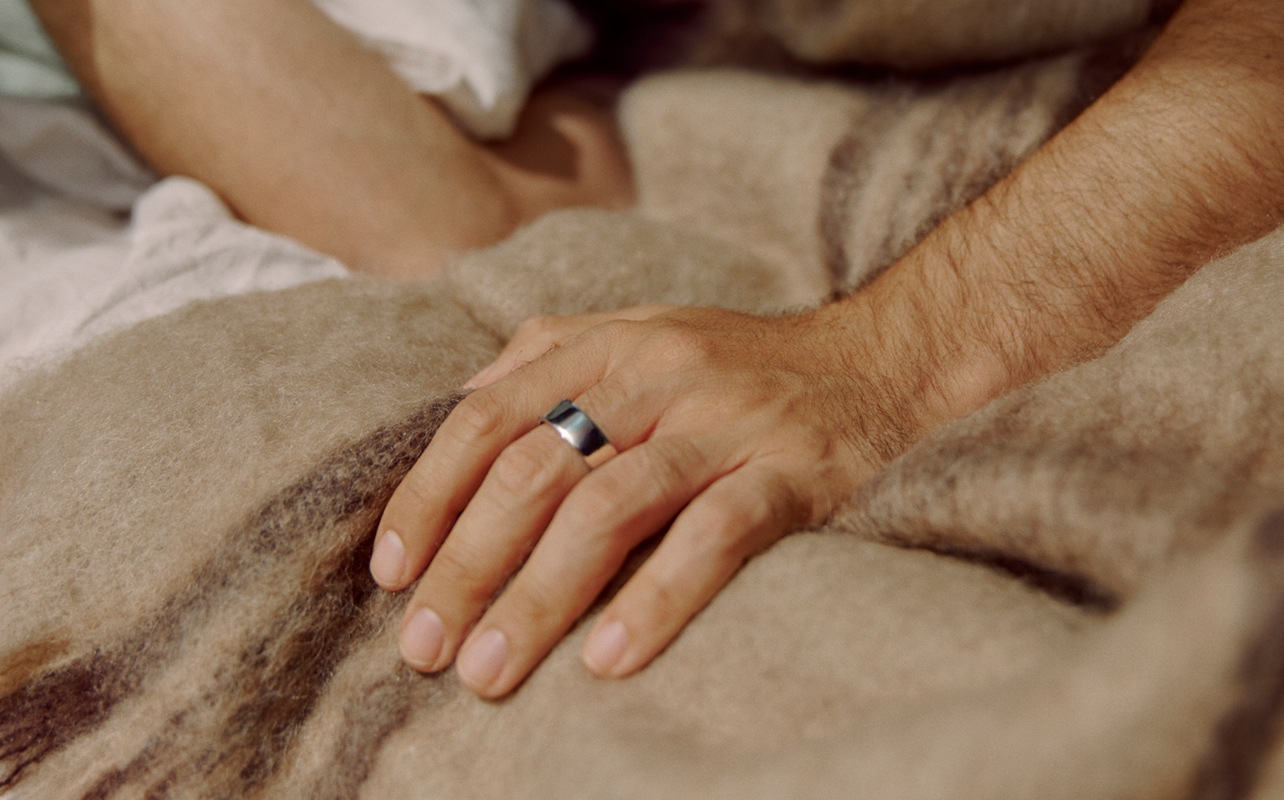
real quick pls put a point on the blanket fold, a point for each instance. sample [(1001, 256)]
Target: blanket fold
[(1076, 592)]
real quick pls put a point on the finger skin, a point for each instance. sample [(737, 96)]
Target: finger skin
[(539, 335), (499, 527), (533, 338), (686, 406), (604, 517), (739, 515), (444, 479), (505, 517), (437, 488), (450, 471)]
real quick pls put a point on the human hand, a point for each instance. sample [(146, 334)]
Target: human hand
[(735, 428), (538, 335)]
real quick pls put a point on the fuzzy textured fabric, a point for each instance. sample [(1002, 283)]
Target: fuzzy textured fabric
[(1076, 592), (916, 35)]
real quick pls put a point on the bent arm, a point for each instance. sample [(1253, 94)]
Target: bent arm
[(1180, 161), (285, 115)]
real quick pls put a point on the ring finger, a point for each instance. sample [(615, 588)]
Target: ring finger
[(608, 513), (487, 544)]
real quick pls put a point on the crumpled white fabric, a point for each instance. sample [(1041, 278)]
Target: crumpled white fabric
[(479, 57), (75, 263), (74, 267), (29, 64)]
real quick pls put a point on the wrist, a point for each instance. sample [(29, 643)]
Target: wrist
[(918, 353)]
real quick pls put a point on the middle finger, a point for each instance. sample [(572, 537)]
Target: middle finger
[(611, 511), (490, 539)]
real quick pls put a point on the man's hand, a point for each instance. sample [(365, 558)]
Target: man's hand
[(738, 428), (538, 335)]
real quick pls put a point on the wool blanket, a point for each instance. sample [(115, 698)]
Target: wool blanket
[(1076, 592)]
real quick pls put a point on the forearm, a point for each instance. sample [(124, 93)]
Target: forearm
[(1180, 161), (288, 118)]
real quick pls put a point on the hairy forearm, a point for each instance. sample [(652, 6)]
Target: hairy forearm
[(1182, 160), (288, 118)]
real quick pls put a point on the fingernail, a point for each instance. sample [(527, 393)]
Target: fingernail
[(484, 659), (474, 381), (606, 647), (389, 560), (421, 639)]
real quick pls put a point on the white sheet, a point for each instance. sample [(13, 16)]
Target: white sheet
[(75, 263), (479, 57), (73, 266)]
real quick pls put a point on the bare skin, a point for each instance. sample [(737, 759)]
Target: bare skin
[(738, 428), (305, 132)]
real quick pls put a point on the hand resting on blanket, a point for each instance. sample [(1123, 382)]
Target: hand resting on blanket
[(737, 429)]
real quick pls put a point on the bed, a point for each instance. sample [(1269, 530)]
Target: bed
[(1076, 592)]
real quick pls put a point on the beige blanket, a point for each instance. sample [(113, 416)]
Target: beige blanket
[(1078, 592)]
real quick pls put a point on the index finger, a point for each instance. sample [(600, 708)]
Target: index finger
[(447, 475)]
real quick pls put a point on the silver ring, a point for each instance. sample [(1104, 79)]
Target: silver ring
[(576, 428)]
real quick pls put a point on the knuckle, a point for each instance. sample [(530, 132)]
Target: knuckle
[(664, 597), (541, 328), (460, 573), (675, 457), (519, 470), (621, 391), (656, 473), (615, 329), (479, 414), (597, 504), (542, 605), (661, 469), (730, 539), (677, 344), (811, 443)]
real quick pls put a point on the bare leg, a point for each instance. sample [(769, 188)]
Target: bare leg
[(304, 132)]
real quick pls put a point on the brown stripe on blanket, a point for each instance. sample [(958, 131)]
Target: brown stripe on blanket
[(241, 719), (1077, 590), (383, 710), (1250, 730), (18, 668), (924, 140), (266, 697), (960, 185), (43, 716)]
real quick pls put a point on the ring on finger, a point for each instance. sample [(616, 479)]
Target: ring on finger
[(579, 431)]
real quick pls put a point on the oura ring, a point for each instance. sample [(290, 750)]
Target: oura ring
[(576, 428)]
